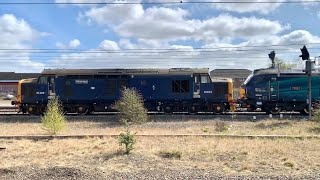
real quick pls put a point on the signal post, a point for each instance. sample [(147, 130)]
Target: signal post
[(308, 70)]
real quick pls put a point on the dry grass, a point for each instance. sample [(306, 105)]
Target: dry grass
[(230, 156), (225, 155), (265, 127)]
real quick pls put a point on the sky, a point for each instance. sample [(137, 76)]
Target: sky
[(186, 35)]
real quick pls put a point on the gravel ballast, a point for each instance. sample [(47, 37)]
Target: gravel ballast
[(63, 173)]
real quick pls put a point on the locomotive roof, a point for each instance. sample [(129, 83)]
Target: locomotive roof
[(178, 71), (279, 71)]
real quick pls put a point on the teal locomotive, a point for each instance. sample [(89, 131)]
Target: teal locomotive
[(273, 90)]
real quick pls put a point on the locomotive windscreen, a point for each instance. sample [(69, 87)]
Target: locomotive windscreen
[(220, 89), (28, 90)]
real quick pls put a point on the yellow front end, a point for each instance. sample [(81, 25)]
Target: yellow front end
[(242, 93), (18, 100), (230, 90)]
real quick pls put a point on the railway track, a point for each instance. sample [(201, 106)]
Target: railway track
[(49, 137), (13, 111), (5, 118)]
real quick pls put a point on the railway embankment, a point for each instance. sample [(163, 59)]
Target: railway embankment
[(183, 147)]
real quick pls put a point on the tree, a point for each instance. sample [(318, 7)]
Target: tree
[(281, 64), (131, 107), (54, 120), (132, 110)]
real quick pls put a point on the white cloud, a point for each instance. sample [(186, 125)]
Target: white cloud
[(108, 45), (161, 28), (80, 1), (214, 55), (226, 26), (262, 8), (74, 43), (17, 34), (299, 37), (171, 24), (114, 14)]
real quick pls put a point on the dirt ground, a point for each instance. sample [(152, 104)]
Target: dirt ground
[(159, 157), (190, 157), (195, 126)]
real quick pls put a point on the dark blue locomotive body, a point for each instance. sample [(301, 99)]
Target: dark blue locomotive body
[(169, 90)]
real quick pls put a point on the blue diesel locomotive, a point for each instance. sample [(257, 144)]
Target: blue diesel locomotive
[(95, 90), (273, 90)]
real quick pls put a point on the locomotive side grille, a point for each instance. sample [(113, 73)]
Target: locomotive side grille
[(220, 89), (180, 86), (111, 87), (67, 88)]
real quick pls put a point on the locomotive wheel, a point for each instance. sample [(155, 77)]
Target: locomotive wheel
[(82, 110), (272, 109), (275, 110), (218, 108), (192, 110), (167, 109)]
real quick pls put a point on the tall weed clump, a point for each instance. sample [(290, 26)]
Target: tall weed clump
[(131, 107), (316, 114), (131, 111), (54, 119)]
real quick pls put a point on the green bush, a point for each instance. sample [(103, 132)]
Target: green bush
[(131, 107), (127, 139), (54, 120), (131, 111)]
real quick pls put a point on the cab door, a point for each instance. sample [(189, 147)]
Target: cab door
[(273, 89), (196, 85), (51, 87)]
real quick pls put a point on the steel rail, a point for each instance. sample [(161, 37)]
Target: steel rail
[(49, 137)]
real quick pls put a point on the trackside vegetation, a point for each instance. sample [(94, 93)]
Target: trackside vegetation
[(54, 119), (131, 107), (132, 111)]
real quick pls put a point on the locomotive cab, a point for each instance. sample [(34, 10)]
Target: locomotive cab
[(26, 93)]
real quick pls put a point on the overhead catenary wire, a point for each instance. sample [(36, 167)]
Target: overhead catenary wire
[(97, 51), (160, 49), (162, 2)]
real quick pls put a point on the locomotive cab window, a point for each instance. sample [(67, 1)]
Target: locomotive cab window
[(43, 80), (204, 79), (180, 86)]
